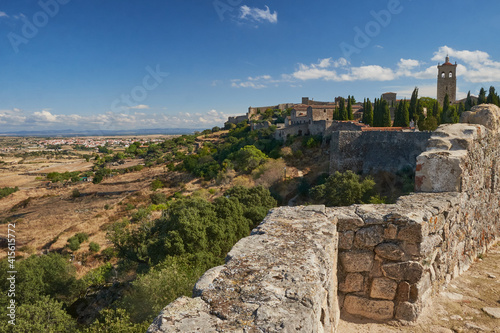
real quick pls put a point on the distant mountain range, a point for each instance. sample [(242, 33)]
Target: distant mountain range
[(71, 132)]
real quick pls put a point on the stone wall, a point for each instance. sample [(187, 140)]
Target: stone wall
[(391, 258), (372, 151)]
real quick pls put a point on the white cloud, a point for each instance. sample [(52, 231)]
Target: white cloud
[(257, 15), (3, 14), (45, 116), (474, 66), (140, 107), (12, 117)]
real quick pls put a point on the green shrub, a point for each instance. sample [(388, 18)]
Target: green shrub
[(94, 247), (82, 236), (156, 184), (73, 244), (129, 206), (158, 198), (75, 193)]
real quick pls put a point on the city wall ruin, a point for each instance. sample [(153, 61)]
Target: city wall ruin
[(304, 266)]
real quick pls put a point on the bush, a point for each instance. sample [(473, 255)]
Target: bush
[(5, 191), (129, 206), (75, 193), (158, 198), (344, 189), (94, 247), (73, 244)]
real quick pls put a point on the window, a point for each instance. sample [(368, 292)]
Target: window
[(450, 74), (443, 75)]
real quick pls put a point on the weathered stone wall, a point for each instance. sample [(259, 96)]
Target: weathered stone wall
[(282, 278), (375, 150)]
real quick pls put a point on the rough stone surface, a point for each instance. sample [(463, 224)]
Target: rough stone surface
[(404, 271), (346, 239), (407, 311), (389, 251), (353, 282), (369, 237), (484, 114), (494, 312), (357, 261), (383, 288), (372, 309)]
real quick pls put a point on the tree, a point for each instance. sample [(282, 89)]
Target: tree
[(413, 105), (344, 189), (401, 118), (342, 110), (492, 96), (248, 158), (446, 109), (350, 116), (469, 102), (368, 113), (436, 112), (44, 315), (382, 114), (481, 99)]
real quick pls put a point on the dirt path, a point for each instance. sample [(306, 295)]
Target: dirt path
[(458, 309)]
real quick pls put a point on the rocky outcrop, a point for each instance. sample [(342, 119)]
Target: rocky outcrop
[(484, 114), (282, 278)]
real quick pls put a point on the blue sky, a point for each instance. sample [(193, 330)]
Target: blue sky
[(114, 64)]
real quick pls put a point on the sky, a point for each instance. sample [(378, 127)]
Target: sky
[(115, 64)]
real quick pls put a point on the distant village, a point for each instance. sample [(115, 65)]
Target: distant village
[(312, 117)]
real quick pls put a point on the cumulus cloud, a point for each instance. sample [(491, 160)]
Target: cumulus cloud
[(256, 15)]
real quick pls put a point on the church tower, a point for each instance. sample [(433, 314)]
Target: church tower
[(447, 81)]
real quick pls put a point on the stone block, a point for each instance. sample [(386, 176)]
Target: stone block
[(391, 232), (407, 311), (383, 288), (345, 240), (369, 237), (411, 233), (349, 222), (410, 271), (353, 282), (372, 309), (389, 251), (403, 292), (355, 262)]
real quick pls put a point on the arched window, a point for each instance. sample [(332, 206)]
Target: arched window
[(443, 75), (450, 74)]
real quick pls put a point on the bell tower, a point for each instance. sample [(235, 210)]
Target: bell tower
[(447, 81)]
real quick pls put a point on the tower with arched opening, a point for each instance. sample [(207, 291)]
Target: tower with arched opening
[(447, 81)]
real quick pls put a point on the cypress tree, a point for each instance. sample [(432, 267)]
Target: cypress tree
[(350, 116), (386, 114), (469, 103), (398, 115), (413, 104), (445, 114), (481, 99), (492, 96), (368, 113), (342, 110)]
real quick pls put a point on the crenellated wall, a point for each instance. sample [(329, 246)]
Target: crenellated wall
[(391, 258)]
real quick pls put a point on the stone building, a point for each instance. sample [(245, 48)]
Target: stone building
[(447, 81)]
